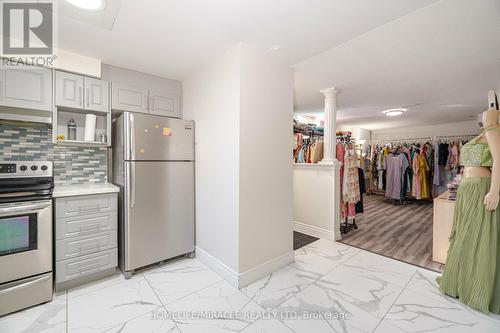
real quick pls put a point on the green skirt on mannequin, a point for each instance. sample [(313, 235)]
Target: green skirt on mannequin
[(472, 270)]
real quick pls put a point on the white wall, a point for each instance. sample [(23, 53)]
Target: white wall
[(457, 128), (242, 106), (212, 99), (314, 200), (266, 129)]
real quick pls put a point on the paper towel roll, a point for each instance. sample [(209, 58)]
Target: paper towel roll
[(90, 121)]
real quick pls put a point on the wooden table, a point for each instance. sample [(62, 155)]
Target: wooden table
[(443, 223)]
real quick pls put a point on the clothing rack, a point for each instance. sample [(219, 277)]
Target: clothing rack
[(345, 227), (424, 139)]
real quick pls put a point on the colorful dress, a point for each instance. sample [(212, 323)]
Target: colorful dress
[(424, 169), (472, 270)]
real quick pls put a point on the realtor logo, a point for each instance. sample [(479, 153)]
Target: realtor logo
[(27, 28)]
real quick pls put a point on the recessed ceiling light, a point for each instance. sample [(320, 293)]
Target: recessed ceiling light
[(90, 5), (275, 47), (394, 112)]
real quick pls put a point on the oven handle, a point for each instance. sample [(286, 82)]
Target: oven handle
[(24, 285), (24, 208)]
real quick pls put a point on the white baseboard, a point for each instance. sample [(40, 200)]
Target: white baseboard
[(266, 268), (220, 268), (313, 231), (243, 279)]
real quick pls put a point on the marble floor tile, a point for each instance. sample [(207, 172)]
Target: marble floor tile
[(267, 326), (151, 322), (96, 285), (314, 263), (277, 287), (385, 327), (218, 308), (316, 309), (361, 288), (334, 250), (179, 279), (110, 306), (414, 312), (390, 270), (45, 318), (424, 282)]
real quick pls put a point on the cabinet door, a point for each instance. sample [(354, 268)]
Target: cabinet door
[(96, 95), (164, 104), (69, 90), (129, 98), (26, 87)]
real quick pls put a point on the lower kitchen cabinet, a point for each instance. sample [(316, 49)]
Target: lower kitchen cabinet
[(86, 238)]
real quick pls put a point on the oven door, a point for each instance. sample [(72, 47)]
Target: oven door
[(25, 239)]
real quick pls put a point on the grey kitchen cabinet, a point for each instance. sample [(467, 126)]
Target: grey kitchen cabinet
[(86, 238), (26, 87), (69, 90), (96, 94), (129, 98), (164, 104), (79, 92)]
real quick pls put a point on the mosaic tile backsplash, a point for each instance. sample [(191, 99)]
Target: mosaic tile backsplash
[(72, 165)]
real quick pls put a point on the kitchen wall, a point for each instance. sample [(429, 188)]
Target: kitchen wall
[(242, 105), (211, 99), (266, 175), (72, 165)]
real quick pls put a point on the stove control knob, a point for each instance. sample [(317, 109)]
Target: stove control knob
[(34, 167), (44, 168), (23, 168)]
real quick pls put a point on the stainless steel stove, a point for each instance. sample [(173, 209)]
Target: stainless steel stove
[(25, 234)]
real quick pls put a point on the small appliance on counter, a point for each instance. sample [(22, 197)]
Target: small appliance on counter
[(25, 234), (153, 164), (71, 130)]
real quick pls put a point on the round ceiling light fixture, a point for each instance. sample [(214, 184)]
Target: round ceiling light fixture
[(90, 5), (394, 112)]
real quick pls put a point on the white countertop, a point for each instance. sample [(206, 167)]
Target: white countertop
[(84, 189)]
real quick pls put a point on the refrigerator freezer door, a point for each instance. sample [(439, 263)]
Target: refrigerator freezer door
[(159, 212), (156, 138)]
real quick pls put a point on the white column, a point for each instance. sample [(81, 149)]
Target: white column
[(330, 128)]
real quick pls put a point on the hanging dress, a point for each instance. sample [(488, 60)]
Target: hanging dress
[(424, 184), (417, 181)]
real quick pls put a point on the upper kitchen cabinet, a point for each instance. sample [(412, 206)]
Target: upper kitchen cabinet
[(129, 98), (96, 94), (69, 90), (164, 104), (140, 92), (26, 87), (79, 92)]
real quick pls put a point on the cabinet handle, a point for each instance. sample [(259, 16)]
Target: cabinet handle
[(80, 96), (89, 268), (24, 285), (87, 96)]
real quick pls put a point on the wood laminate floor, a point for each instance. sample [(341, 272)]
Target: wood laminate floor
[(402, 232)]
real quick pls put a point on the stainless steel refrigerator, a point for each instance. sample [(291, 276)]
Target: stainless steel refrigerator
[(153, 164)]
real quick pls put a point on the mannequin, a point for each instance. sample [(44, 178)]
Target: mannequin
[(472, 270)]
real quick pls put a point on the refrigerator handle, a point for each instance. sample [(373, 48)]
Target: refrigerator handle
[(132, 137), (132, 184)]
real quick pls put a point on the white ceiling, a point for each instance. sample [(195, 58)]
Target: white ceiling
[(383, 53), (445, 53), (171, 38)]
